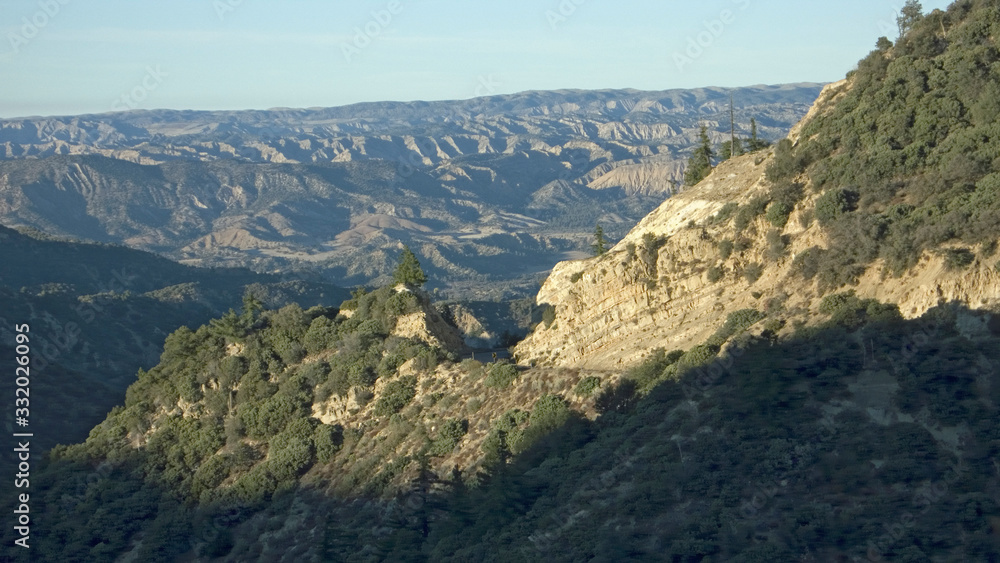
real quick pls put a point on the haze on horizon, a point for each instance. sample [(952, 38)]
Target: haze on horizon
[(63, 57)]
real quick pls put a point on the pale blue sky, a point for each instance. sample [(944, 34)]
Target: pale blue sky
[(94, 56)]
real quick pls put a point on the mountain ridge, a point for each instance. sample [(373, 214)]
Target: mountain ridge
[(471, 181)]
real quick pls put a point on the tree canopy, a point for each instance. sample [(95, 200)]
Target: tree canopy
[(409, 272), (700, 163)]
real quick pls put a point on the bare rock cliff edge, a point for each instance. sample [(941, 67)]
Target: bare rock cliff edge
[(666, 284)]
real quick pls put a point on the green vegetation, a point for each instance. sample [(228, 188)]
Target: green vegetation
[(102, 312), (736, 323), (725, 213), (397, 394), (725, 248), (206, 483), (600, 245), (747, 213), (587, 386), (715, 273), (501, 375), (907, 160), (699, 165), (408, 271), (752, 272)]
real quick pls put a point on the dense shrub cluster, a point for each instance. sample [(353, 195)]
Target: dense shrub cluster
[(247, 433), (907, 160), (501, 375)]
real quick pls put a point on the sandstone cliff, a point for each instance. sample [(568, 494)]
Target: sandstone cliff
[(666, 284)]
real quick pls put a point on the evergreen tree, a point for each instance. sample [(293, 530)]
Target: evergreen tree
[(735, 145), (408, 272), (908, 16), (755, 143), (252, 306), (600, 245), (700, 163), (726, 150)]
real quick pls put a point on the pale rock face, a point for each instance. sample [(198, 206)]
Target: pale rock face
[(612, 315), (612, 311), (427, 326)]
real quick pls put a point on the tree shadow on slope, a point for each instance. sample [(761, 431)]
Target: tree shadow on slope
[(868, 436), (865, 437)]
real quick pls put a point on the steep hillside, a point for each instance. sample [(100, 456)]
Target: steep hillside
[(876, 189), (315, 435), (99, 313), (796, 360), (363, 401)]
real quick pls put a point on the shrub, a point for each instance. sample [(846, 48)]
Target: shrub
[(724, 214), (697, 356), (736, 322), (327, 440), (777, 213), (549, 413), (471, 366), (586, 386), (653, 369), (833, 204), (725, 248), (576, 277), (785, 164), (548, 315), (450, 434), (619, 398), (957, 258), (747, 213), (396, 395), (650, 252), (292, 451), (501, 375), (775, 245), (989, 249), (715, 273), (505, 437), (753, 272)]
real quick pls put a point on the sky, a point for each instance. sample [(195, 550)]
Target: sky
[(69, 57)]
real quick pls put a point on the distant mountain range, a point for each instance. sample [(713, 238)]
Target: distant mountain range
[(491, 190)]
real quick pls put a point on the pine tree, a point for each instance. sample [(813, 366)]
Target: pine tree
[(600, 245), (251, 307), (755, 143), (408, 272), (700, 163), (911, 12)]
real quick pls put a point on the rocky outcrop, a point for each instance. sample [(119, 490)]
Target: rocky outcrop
[(665, 284), (428, 326), (610, 311)]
